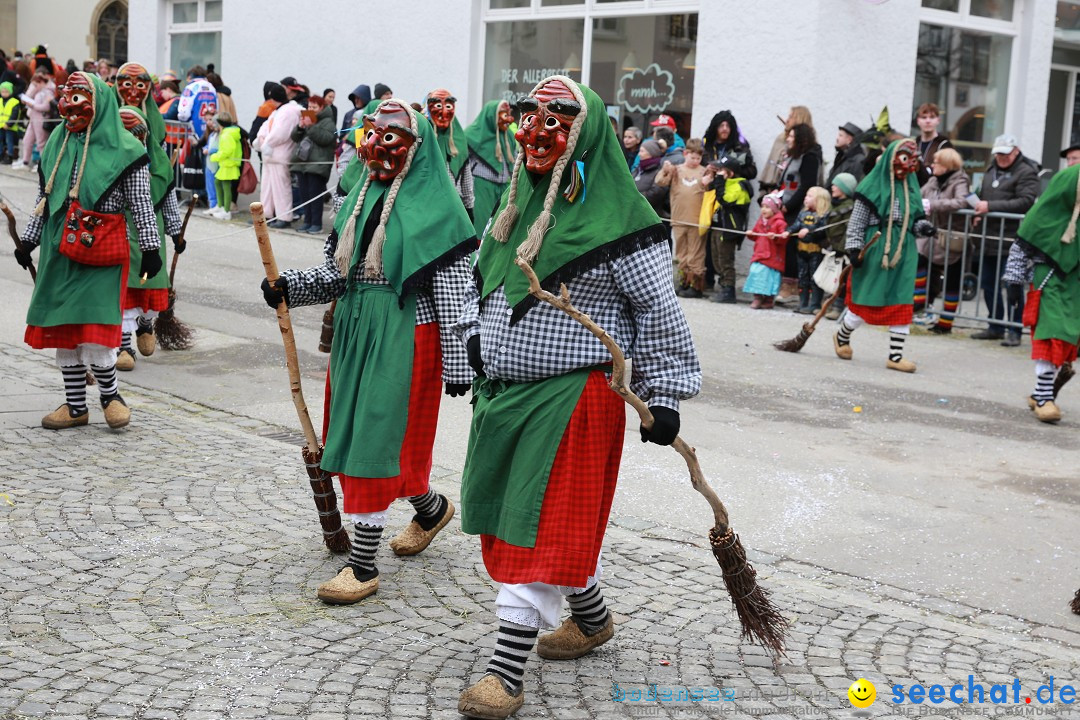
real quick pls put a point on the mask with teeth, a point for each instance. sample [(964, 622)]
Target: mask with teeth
[(76, 103), (387, 138), (133, 83), (546, 119), (441, 107), (906, 160), (503, 116)]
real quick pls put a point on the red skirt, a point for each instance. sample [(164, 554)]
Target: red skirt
[(577, 500), (365, 495), (1054, 351), (68, 336), (147, 298), (884, 315)]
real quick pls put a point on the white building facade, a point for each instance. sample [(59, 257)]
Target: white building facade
[(993, 66)]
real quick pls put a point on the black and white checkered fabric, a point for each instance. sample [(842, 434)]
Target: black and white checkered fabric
[(480, 169), (133, 193), (171, 212), (632, 298), (440, 302), (464, 185)]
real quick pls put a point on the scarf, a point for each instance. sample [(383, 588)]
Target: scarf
[(454, 145), (879, 190), (487, 142)]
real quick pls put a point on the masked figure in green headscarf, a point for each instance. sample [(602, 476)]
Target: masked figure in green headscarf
[(1046, 256), (491, 158), (144, 300), (453, 144), (888, 207), (397, 263), (546, 436), (92, 173)]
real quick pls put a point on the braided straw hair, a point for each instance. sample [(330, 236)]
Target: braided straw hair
[(508, 217), (73, 194), (347, 240), (499, 137), (886, 263)]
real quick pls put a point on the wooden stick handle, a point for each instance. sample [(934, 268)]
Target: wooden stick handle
[(14, 233), (285, 325), (843, 276), (180, 238)]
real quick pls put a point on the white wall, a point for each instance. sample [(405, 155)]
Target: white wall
[(844, 59), (1029, 88), (63, 25)]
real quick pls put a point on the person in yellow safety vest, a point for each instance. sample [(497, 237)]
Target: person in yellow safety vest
[(9, 131)]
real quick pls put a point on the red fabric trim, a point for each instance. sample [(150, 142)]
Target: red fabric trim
[(68, 336), (362, 495), (1057, 352), (577, 500), (147, 298), (884, 315)]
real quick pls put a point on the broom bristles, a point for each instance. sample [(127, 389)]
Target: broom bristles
[(761, 621), (1064, 375), (1075, 604), (171, 333), (796, 343)]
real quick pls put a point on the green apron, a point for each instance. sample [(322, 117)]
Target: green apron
[(371, 365), (1059, 305), (874, 286), (159, 281), (486, 197), (515, 435)]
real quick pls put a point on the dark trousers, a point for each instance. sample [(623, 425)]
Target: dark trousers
[(9, 139), (311, 185), (954, 278), (808, 264), (993, 293)]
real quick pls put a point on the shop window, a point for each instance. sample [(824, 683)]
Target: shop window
[(947, 5), (996, 9), (195, 34), (519, 54)]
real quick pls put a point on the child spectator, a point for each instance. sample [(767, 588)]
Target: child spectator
[(9, 135), (38, 99), (687, 190), (807, 227), (209, 144), (227, 160), (843, 201), (767, 262), (730, 216)]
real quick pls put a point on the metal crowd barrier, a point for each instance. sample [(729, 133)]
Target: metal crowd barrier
[(980, 263), (179, 135)]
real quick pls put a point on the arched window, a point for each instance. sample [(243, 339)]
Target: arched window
[(111, 33)]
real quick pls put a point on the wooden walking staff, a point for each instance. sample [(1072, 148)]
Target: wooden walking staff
[(171, 333), (795, 344), (322, 485), (760, 619)]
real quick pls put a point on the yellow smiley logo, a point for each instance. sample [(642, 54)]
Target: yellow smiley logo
[(862, 693)]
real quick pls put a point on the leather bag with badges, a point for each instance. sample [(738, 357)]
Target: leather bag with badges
[(94, 238)]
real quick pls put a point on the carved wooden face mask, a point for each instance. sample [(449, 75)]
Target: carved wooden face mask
[(133, 83), (76, 103), (388, 136), (906, 160), (546, 119), (134, 124), (503, 116), (441, 107)]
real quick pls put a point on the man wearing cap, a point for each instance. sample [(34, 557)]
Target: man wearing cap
[(850, 155), (668, 122), (1071, 155), (928, 117), (1010, 185)]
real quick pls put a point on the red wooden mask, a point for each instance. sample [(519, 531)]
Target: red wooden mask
[(76, 103), (546, 119), (388, 135), (133, 83), (441, 107)]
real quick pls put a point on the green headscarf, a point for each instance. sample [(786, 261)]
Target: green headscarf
[(484, 138), (427, 227), (161, 170), (1050, 225), (608, 219), (111, 151), (879, 189), (461, 145)]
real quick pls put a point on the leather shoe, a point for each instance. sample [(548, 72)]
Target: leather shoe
[(1048, 412), (64, 417), (987, 335), (843, 352), (903, 365), (117, 414), (1011, 340)]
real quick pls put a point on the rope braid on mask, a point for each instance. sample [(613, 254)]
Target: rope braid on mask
[(1070, 232), (73, 194), (347, 239), (502, 138), (505, 222), (886, 263)]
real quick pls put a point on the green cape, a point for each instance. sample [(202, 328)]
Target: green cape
[(877, 187), (113, 151), (611, 220), (482, 137), (461, 144), (161, 169), (428, 227), (1047, 221)]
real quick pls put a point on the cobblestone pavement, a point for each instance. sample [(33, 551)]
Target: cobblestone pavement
[(168, 571)]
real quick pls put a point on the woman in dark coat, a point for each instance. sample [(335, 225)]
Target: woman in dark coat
[(799, 174)]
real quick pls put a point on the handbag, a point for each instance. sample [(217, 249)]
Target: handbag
[(93, 238), (248, 179), (303, 150), (951, 240), (193, 176), (827, 275)]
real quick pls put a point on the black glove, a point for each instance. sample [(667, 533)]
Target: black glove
[(924, 228), (856, 259), (665, 426), (457, 389), (1014, 293), (472, 346), (151, 264), (178, 245), (22, 256), (274, 295)]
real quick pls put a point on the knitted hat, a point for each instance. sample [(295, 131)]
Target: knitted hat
[(653, 148), (774, 201), (277, 93), (380, 90), (7, 86), (846, 182)]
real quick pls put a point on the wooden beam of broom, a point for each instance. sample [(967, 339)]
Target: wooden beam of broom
[(761, 621), (172, 334), (322, 485)]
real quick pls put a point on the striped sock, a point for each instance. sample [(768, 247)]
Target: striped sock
[(365, 544), (843, 335), (1044, 384), (512, 647), (430, 508), (896, 346), (106, 380), (952, 301), (588, 610), (920, 289), (75, 386), (125, 341)]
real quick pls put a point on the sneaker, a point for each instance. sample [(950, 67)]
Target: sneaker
[(940, 329), (117, 414), (224, 215), (569, 642), (32, 167), (314, 230), (988, 335), (489, 700), (413, 539), (348, 587), (690, 292), (18, 165), (834, 312), (925, 318), (65, 417), (1012, 339), (279, 224)]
